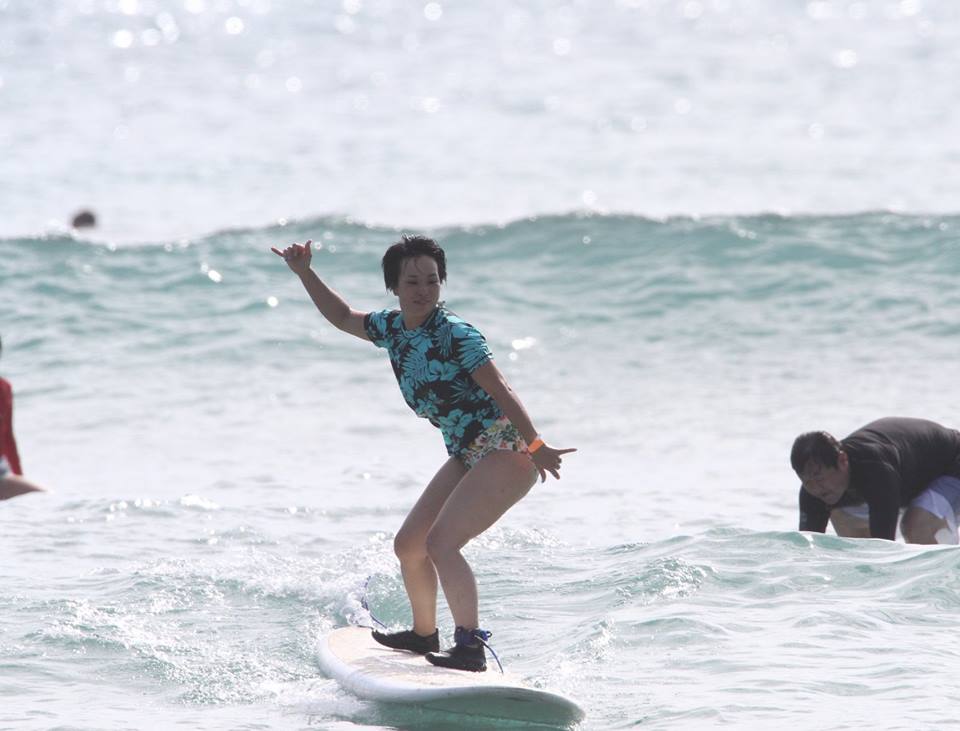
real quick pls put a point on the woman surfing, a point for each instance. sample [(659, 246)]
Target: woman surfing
[(447, 375)]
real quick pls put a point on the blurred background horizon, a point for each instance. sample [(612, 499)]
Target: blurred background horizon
[(179, 118)]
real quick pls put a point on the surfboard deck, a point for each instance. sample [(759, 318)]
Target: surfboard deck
[(353, 658)]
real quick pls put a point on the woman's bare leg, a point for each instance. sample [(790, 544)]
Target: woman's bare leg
[(486, 492), (410, 545)]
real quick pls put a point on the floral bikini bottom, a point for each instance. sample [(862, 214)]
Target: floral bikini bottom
[(500, 435)]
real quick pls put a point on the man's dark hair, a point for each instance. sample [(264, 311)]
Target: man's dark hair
[(818, 446), (409, 247)]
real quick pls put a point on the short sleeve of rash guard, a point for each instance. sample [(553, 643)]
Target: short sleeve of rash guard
[(377, 327), (470, 347)]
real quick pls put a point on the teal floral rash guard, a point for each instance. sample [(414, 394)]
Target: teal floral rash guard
[(433, 364)]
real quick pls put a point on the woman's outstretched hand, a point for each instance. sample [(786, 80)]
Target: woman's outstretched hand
[(297, 257), (547, 459)]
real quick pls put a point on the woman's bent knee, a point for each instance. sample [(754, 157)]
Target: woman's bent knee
[(409, 548), (438, 546)]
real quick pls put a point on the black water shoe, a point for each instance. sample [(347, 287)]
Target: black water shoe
[(409, 640), (467, 652)]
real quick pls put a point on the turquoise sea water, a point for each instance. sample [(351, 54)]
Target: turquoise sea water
[(690, 229), (228, 472)]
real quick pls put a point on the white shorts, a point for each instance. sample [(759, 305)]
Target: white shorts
[(941, 497)]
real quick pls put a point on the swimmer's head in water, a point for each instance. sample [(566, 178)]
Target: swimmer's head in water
[(84, 219), (411, 247)]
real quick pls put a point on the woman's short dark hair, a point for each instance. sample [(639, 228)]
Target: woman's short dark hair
[(409, 247), (818, 446)]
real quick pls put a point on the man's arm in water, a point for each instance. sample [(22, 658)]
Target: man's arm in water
[(814, 513), (882, 493)]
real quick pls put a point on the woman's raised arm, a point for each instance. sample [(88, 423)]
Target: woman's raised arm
[(331, 305)]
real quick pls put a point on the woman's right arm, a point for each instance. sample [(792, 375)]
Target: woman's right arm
[(331, 305)]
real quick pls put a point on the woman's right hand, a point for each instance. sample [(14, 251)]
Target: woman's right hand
[(297, 257)]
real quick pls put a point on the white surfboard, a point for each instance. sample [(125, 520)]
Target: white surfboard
[(352, 657)]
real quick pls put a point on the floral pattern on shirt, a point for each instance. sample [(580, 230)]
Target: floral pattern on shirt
[(433, 364)]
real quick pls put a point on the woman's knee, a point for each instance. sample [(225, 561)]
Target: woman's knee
[(409, 547), (439, 544)]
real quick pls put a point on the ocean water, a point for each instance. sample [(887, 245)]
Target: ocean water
[(689, 230), (228, 472)]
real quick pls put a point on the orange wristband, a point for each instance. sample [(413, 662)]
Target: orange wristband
[(535, 445)]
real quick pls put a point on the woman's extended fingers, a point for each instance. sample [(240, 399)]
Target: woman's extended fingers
[(548, 459), (287, 254), (287, 250), (293, 252), (296, 255), (555, 454)]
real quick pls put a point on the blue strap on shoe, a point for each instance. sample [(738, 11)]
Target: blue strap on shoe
[(363, 603), (463, 636)]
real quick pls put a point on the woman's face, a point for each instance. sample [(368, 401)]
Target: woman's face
[(418, 288)]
